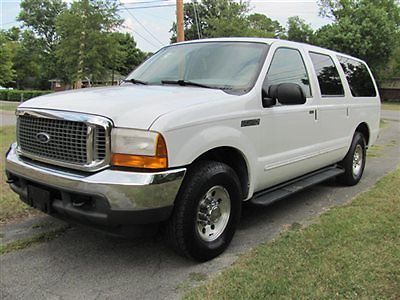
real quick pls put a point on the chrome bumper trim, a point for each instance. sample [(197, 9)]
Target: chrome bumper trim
[(124, 190)]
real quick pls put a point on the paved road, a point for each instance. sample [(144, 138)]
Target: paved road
[(391, 115), (82, 264)]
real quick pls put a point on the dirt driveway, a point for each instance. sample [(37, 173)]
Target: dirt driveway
[(82, 264)]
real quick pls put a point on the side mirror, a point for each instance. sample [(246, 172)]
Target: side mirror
[(287, 93), (267, 101)]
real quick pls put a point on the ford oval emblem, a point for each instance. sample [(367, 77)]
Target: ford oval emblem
[(43, 137)]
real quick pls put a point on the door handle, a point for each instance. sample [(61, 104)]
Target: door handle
[(314, 112)]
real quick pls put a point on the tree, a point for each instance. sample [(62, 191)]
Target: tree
[(363, 28), (337, 9), (7, 74), (299, 31), (128, 55), (40, 16), (214, 18), (262, 26), (86, 43), (28, 61), (392, 68)]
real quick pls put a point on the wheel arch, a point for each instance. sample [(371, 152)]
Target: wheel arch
[(364, 129), (234, 158)]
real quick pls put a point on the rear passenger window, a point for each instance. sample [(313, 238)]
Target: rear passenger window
[(358, 77), (328, 75), (287, 66)]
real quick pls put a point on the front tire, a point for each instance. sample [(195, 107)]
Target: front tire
[(354, 162), (207, 211)]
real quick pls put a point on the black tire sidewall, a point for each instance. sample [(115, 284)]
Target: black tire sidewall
[(348, 177), (207, 178)]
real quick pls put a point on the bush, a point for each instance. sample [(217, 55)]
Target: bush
[(20, 95)]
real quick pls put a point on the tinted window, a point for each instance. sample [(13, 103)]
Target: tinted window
[(358, 77), (287, 66), (328, 75)]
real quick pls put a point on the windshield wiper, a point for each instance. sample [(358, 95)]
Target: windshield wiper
[(136, 81), (182, 82)]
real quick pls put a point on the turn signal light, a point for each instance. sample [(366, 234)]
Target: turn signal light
[(159, 161), (139, 161)]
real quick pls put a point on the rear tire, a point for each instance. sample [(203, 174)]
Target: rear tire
[(207, 211), (354, 162)]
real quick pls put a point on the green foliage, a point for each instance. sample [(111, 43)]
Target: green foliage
[(13, 34), (337, 9), (40, 16), (18, 95), (86, 43), (128, 56), (7, 74), (392, 68), (363, 28), (299, 31), (212, 18), (28, 61), (260, 25)]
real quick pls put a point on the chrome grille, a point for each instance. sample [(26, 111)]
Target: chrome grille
[(99, 143), (72, 140), (67, 139)]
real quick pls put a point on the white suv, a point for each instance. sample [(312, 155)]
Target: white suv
[(194, 131)]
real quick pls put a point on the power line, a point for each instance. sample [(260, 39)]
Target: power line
[(145, 2), (2, 24), (196, 17), (144, 27), (151, 43), (153, 6)]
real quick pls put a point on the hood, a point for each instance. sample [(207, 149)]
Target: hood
[(130, 106)]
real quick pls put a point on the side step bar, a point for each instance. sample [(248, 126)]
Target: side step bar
[(278, 192)]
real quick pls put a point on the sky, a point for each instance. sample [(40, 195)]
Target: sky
[(150, 26)]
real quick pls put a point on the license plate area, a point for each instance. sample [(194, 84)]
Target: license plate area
[(39, 198)]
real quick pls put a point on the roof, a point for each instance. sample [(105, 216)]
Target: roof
[(269, 41)]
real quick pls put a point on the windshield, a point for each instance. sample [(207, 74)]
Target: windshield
[(222, 65)]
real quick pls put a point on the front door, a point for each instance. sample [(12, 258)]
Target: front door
[(289, 147)]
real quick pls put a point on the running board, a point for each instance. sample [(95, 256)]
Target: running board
[(286, 189)]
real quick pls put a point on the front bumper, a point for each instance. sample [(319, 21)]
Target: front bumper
[(106, 198)]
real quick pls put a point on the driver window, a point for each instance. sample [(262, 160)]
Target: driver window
[(287, 66)]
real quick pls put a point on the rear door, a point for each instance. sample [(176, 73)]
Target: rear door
[(332, 101)]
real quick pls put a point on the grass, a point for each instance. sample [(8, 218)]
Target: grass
[(35, 239), (391, 106), (351, 252), (9, 106), (11, 208), (375, 151)]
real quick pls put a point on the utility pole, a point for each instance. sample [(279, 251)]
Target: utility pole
[(179, 21)]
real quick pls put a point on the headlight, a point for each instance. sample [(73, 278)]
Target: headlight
[(138, 149)]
